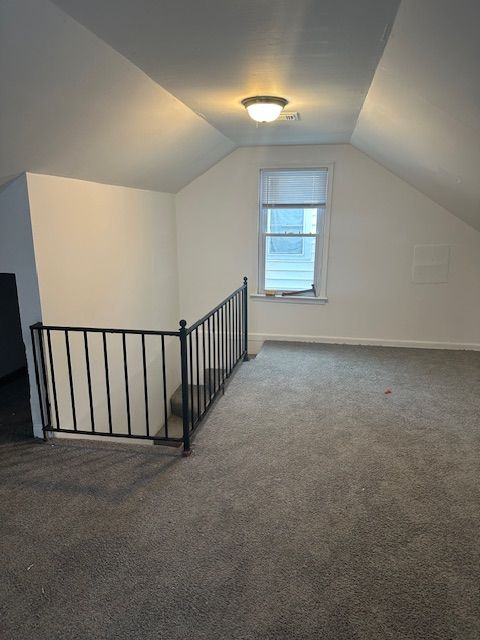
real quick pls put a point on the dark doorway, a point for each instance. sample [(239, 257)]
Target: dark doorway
[(15, 415)]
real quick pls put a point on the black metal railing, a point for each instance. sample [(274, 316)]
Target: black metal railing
[(117, 382), (210, 350)]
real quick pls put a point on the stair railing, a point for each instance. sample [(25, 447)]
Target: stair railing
[(116, 382), (210, 351)]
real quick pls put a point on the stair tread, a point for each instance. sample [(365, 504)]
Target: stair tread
[(175, 428)]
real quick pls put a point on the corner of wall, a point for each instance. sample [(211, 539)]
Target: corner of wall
[(17, 256)]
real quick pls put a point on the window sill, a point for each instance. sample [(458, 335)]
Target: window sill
[(291, 299)]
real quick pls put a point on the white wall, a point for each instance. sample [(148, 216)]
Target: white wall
[(106, 257), (17, 257), (376, 220)]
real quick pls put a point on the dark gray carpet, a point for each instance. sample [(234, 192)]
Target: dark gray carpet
[(15, 415), (315, 506)]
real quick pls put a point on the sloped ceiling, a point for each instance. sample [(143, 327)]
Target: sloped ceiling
[(319, 54), (421, 117), (117, 98), (72, 106), (110, 91)]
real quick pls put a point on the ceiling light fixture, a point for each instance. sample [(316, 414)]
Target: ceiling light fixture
[(264, 108)]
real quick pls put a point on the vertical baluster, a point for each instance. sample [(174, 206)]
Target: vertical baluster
[(164, 381), (198, 374), (209, 363), (230, 333), (240, 320), (212, 328), (190, 380), (214, 353), (227, 369), (70, 378), (37, 377), (235, 355), (227, 348), (52, 375), (236, 329), (145, 386), (184, 369), (217, 323), (222, 343), (245, 317), (204, 368), (219, 343), (227, 341), (89, 381), (107, 381), (232, 330), (127, 393), (45, 378), (214, 340), (239, 333)]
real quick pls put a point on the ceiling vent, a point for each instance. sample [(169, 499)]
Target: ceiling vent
[(288, 116)]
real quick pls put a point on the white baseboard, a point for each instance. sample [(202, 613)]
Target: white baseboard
[(256, 340), (51, 435), (62, 435)]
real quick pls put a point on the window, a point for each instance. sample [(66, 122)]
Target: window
[(291, 221), (293, 230)]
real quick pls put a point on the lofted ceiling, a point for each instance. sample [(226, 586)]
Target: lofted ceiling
[(320, 55), (421, 117), (146, 93), (72, 106)]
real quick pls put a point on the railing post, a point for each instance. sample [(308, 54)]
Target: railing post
[(37, 377), (184, 370), (245, 317)]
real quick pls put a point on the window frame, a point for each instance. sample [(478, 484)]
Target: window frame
[(322, 236)]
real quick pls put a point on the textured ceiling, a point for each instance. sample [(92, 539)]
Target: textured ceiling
[(421, 118), (320, 55)]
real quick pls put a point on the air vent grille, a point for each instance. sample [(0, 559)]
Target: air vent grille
[(288, 116)]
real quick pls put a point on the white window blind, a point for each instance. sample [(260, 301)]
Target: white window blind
[(294, 187)]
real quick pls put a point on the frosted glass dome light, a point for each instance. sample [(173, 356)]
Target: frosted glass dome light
[(264, 108)]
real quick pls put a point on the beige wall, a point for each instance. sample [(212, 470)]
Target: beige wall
[(106, 257), (376, 221)]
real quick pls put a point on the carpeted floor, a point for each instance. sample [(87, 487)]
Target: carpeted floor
[(15, 416), (315, 506)]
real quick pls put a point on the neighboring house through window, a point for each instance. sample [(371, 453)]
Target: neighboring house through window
[(294, 212)]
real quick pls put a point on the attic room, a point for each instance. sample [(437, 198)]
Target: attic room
[(240, 319)]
